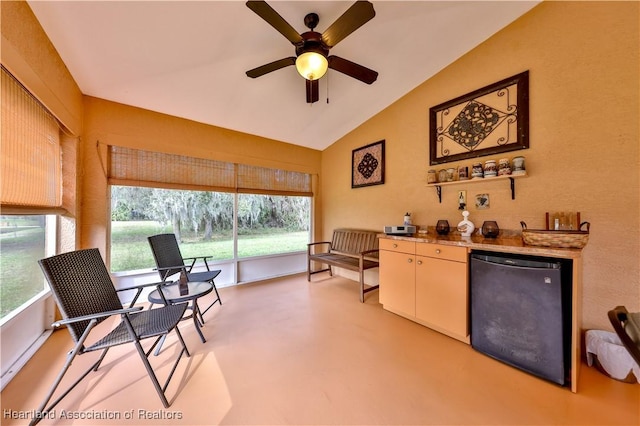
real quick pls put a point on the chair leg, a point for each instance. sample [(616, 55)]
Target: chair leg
[(43, 410), (218, 300), (152, 375)]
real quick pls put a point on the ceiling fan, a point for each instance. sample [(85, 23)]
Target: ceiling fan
[(312, 48)]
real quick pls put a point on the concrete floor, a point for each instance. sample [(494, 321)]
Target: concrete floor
[(286, 351)]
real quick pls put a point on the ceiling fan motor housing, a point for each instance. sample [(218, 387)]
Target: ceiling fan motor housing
[(312, 42)]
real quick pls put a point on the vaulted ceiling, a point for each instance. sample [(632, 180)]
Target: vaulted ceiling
[(189, 58)]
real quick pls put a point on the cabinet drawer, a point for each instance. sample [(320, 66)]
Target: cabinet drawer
[(440, 251), (397, 245)]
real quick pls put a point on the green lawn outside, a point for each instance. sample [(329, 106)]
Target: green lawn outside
[(21, 248), (130, 249), (20, 275)]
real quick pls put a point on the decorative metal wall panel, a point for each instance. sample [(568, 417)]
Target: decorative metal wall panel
[(488, 121)]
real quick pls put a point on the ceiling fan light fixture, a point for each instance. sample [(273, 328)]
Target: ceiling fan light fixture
[(312, 65)]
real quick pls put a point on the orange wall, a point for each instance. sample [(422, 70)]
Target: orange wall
[(583, 67), (29, 55), (584, 92), (110, 123)]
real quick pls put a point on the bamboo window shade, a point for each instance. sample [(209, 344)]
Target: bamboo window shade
[(133, 167), (31, 163)]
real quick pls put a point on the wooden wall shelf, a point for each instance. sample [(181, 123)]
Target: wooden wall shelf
[(438, 186)]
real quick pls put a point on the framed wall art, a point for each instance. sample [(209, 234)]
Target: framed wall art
[(367, 165), (490, 120)]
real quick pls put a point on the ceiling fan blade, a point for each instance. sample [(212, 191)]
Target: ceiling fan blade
[(356, 16), (273, 66), (312, 91), (266, 12), (352, 69)]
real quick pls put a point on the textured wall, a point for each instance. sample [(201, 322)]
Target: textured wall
[(29, 55), (583, 67), (110, 123)]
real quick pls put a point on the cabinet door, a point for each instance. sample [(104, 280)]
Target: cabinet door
[(441, 294), (397, 282)]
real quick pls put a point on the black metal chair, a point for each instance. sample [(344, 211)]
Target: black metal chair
[(85, 295), (627, 327), (169, 262)]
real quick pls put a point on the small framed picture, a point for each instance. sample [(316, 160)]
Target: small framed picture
[(367, 165), (482, 201)]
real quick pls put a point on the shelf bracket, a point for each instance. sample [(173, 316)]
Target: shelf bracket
[(439, 191), (513, 188)]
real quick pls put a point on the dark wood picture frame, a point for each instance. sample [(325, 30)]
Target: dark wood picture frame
[(367, 165), (490, 120)]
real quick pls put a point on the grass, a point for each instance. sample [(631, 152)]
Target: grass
[(22, 246), (130, 249), (20, 275)]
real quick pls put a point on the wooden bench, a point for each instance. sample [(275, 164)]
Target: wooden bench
[(353, 249)]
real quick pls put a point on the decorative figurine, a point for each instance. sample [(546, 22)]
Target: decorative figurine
[(466, 227)]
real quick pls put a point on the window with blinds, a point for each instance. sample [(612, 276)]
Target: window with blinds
[(31, 169), (133, 167)]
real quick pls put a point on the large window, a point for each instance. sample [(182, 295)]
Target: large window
[(31, 190), (269, 224), (203, 222), (24, 240)]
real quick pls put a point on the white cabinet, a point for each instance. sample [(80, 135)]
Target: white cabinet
[(426, 283)]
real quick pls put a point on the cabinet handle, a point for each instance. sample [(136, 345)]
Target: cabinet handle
[(437, 251), (395, 246), (419, 262), (409, 260)]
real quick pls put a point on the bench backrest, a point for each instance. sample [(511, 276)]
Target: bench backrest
[(354, 241)]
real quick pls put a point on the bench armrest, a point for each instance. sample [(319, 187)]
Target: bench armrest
[(310, 245), (369, 251)]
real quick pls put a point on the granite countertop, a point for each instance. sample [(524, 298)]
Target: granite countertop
[(507, 241)]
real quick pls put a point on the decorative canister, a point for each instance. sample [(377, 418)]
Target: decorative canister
[(477, 171), (431, 176), (451, 173), (490, 168), (442, 175), (463, 173), (518, 165), (504, 168)]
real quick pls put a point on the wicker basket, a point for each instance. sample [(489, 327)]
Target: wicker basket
[(558, 239)]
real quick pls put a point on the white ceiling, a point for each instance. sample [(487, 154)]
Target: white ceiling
[(188, 58)]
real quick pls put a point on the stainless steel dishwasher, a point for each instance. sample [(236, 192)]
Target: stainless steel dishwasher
[(521, 312)]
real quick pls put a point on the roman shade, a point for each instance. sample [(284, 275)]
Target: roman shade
[(31, 166), (134, 167)]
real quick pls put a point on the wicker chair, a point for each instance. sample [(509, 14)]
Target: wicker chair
[(627, 327), (85, 295), (169, 262)]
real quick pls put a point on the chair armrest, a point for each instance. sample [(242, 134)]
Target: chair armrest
[(185, 268), (140, 286), (195, 259), (96, 316), (168, 268)]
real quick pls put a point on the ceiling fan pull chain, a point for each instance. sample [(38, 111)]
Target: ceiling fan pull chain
[(328, 87)]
